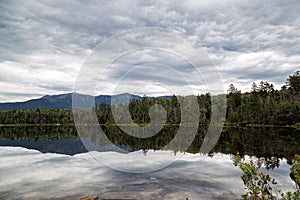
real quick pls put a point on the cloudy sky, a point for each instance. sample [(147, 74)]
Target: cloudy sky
[(44, 44)]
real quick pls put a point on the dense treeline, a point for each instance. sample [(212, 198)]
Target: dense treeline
[(139, 110), (36, 117), (263, 105)]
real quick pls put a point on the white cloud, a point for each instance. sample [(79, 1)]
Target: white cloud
[(56, 36), (31, 174)]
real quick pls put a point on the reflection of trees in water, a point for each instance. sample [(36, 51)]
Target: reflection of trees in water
[(269, 145), (156, 142), (37, 132)]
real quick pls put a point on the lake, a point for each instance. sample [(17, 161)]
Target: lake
[(51, 162)]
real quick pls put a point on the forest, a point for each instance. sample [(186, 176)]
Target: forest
[(263, 105)]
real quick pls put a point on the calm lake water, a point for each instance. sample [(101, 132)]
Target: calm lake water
[(52, 163)]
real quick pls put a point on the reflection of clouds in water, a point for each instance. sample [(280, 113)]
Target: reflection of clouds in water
[(31, 174)]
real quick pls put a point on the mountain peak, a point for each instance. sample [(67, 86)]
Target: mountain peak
[(64, 101)]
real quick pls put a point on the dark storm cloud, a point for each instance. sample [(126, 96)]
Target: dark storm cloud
[(45, 42)]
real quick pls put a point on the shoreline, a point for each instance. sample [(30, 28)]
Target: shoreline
[(143, 125)]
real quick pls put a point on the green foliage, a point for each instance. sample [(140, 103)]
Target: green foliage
[(264, 105), (260, 185), (295, 170), (139, 111), (36, 117), (294, 83), (290, 196)]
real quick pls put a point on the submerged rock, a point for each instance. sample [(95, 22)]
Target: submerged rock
[(90, 198)]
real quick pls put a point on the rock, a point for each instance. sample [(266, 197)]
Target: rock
[(90, 198)]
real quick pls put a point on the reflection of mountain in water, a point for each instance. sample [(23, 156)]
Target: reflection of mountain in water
[(70, 146), (270, 144)]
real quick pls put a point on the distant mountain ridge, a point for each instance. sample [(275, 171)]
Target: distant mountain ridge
[(64, 101)]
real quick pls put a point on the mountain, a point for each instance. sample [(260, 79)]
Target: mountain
[(64, 101)]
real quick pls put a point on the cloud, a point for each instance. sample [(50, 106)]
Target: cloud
[(49, 40), (82, 174)]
